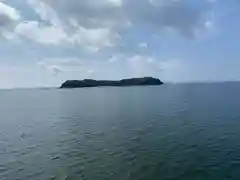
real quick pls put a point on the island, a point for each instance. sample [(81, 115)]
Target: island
[(145, 81)]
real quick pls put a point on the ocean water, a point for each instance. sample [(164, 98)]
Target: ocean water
[(182, 132)]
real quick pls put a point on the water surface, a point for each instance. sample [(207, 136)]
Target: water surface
[(182, 132)]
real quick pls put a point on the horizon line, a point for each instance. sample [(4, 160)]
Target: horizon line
[(166, 83)]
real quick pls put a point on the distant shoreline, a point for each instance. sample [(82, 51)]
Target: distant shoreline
[(165, 83), (145, 81)]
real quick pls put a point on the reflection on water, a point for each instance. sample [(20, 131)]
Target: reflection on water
[(184, 132)]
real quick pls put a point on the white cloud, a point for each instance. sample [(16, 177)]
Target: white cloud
[(45, 12), (94, 39), (8, 13), (142, 45), (96, 24), (8, 16), (53, 69), (40, 33), (142, 66), (60, 65), (169, 70)]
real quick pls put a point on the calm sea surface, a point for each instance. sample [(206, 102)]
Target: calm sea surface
[(182, 132)]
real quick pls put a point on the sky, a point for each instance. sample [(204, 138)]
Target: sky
[(45, 42)]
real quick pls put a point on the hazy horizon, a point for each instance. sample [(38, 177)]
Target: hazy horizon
[(165, 83)]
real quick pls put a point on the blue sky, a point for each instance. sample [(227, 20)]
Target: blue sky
[(45, 42)]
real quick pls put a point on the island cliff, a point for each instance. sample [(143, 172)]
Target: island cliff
[(145, 81)]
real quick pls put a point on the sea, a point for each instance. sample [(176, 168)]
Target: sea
[(171, 132)]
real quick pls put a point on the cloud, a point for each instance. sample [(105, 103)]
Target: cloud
[(88, 13), (53, 69), (169, 70), (95, 24), (142, 66), (60, 65), (138, 65), (142, 45), (53, 30), (40, 33), (8, 16), (116, 58), (45, 12), (179, 15), (94, 39)]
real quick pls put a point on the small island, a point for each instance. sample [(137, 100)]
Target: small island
[(145, 81)]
